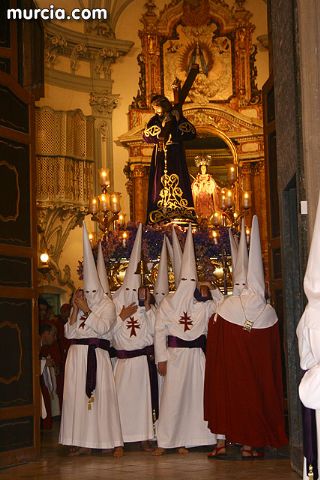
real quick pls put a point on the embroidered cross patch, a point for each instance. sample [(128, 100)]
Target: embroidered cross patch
[(133, 324), (184, 321)]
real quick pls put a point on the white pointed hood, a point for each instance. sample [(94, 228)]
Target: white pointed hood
[(128, 292), (161, 288), (183, 298), (250, 304), (241, 265), (255, 276), (311, 283), (102, 272), (170, 249), (91, 284), (177, 257), (234, 250)]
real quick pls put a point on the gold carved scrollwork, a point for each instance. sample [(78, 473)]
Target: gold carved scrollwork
[(138, 171)]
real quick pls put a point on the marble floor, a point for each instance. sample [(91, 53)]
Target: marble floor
[(137, 465)]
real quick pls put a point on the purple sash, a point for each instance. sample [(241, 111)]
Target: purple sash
[(153, 376), (92, 343), (310, 445), (176, 342)]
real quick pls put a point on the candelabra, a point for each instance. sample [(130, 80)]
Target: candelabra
[(234, 204), (105, 208)]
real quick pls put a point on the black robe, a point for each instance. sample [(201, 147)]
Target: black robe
[(172, 134)]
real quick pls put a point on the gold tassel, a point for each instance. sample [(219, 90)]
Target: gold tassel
[(90, 402), (310, 473)]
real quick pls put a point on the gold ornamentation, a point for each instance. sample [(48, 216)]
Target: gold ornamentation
[(90, 402), (200, 160), (152, 131), (171, 204), (186, 127), (247, 326), (310, 472)]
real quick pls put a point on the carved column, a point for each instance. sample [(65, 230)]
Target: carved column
[(103, 104), (243, 46), (140, 192), (151, 50)]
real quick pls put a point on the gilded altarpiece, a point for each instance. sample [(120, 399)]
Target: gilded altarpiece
[(224, 99)]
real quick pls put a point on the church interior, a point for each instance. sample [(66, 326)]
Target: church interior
[(75, 99)]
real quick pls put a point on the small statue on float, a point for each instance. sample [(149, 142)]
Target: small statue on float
[(205, 190)]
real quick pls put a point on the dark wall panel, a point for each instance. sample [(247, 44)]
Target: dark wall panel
[(13, 112), (15, 352), (5, 65), (16, 433), (14, 193), (5, 25), (15, 271)]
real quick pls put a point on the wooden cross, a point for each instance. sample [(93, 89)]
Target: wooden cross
[(180, 93)]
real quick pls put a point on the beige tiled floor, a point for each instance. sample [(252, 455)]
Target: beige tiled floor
[(138, 465)]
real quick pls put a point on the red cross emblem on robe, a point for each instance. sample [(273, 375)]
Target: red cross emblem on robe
[(133, 324), (186, 321)]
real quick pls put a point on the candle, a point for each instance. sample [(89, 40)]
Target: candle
[(248, 235), (215, 236), (124, 238), (105, 202), (93, 205), (115, 202), (223, 200), (90, 235), (231, 173), (216, 218), (229, 199), (121, 219), (105, 177), (246, 200)]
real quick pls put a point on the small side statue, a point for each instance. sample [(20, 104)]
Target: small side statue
[(169, 195), (205, 191)]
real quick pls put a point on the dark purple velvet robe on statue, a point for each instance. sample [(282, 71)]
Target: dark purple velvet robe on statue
[(173, 133)]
